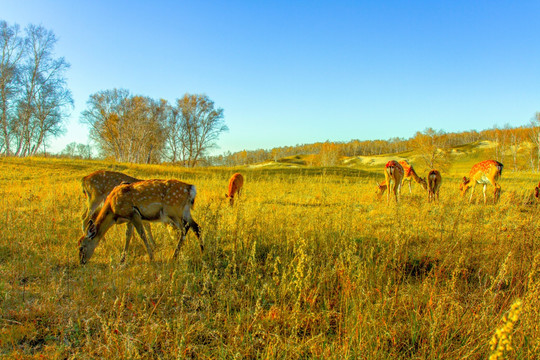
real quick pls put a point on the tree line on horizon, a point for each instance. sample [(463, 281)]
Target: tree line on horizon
[(514, 145)]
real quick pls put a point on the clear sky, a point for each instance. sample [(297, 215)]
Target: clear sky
[(295, 72)]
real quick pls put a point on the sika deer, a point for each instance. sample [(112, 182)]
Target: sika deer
[(235, 187), (409, 174), (393, 174), (96, 187), (485, 172), (166, 201), (434, 181)]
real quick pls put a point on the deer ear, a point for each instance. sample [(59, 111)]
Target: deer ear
[(92, 231)]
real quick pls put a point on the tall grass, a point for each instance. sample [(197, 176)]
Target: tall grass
[(307, 264)]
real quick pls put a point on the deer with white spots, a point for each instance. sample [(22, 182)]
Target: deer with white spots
[(96, 187), (235, 187), (434, 181), (409, 174), (484, 173), (166, 201)]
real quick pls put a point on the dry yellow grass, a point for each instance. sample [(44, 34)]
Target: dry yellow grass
[(307, 264)]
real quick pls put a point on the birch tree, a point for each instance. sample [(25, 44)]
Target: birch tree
[(44, 98), (10, 62), (194, 127)]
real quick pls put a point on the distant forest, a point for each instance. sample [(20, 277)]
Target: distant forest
[(517, 145)]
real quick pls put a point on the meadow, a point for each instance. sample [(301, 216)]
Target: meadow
[(307, 264)]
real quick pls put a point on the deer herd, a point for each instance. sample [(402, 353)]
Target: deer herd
[(115, 198), (484, 173)]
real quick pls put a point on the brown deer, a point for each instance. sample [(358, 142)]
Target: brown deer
[(393, 174), (96, 187), (434, 181), (166, 201), (485, 172), (381, 188), (409, 174), (537, 191), (235, 187)]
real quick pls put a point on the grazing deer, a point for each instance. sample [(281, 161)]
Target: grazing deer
[(393, 174), (166, 201), (96, 187), (434, 181), (381, 188), (485, 172), (235, 187), (409, 174)]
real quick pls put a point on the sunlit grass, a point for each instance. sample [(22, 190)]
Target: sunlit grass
[(306, 264)]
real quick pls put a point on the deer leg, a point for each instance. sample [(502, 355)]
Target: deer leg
[(410, 187), (148, 231), (175, 229), (84, 218), (484, 190), (497, 192), (129, 234), (195, 227), (472, 192), (87, 215), (496, 195), (137, 222)]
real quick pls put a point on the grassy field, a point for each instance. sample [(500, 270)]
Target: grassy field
[(307, 264)]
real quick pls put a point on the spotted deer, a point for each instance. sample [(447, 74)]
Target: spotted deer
[(537, 191), (484, 173), (166, 201), (235, 187), (434, 181), (409, 174), (393, 174), (96, 187)]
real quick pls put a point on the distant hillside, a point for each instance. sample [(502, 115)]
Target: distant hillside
[(508, 144), (462, 157)]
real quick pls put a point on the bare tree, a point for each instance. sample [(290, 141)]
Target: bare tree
[(198, 125), (84, 151), (70, 150), (432, 148), (175, 135), (12, 52), (128, 128), (535, 136), (102, 115), (44, 97)]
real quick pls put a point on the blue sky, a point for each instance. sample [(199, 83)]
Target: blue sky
[(294, 72)]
